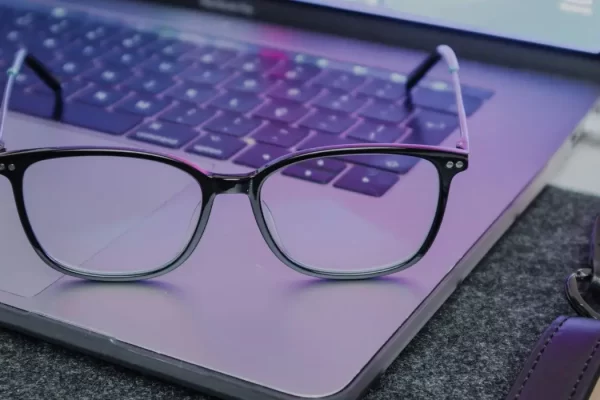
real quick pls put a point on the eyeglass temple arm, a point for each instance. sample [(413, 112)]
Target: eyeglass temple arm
[(22, 57), (451, 60)]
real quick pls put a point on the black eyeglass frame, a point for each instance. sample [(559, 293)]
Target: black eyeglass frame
[(13, 165)]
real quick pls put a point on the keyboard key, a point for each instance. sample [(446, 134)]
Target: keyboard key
[(100, 96), (389, 76), (133, 41), (367, 181), (172, 48), (212, 56), (443, 101), (25, 19), (384, 90), (232, 124), (376, 133), (169, 67), (107, 76), (281, 111), (431, 128), (150, 83), (58, 14), (206, 75), (164, 134), (339, 101), (66, 69), (280, 135), (259, 155), (69, 87), (120, 59), (309, 173), (83, 51), (294, 92), (399, 164), (221, 147), (385, 112), (330, 122), (96, 118), (192, 93), (480, 93), (254, 63), (34, 104), (14, 37), (324, 140), (237, 102), (144, 106), (56, 26), (26, 78), (341, 80), (295, 72), (49, 43), (251, 83), (327, 163), (45, 49), (96, 34), (187, 114), (303, 58)]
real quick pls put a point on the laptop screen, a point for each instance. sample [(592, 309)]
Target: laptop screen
[(569, 24)]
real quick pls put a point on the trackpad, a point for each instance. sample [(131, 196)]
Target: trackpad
[(23, 272)]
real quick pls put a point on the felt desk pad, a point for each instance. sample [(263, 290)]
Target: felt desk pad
[(473, 348)]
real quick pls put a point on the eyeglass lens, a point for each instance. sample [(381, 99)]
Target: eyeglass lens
[(111, 215), (358, 213)]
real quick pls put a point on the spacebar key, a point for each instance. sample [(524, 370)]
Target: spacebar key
[(99, 119)]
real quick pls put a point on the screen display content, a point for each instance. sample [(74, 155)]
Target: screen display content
[(568, 24)]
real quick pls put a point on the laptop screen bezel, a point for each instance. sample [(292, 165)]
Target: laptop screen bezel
[(404, 33)]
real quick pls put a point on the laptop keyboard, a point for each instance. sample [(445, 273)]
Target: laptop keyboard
[(241, 103)]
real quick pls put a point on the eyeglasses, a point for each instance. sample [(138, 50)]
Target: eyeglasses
[(116, 214)]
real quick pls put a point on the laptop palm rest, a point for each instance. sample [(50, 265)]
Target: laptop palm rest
[(248, 319)]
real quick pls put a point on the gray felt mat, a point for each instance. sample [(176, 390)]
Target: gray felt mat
[(472, 349)]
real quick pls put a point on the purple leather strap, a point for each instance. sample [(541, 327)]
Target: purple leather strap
[(564, 364)]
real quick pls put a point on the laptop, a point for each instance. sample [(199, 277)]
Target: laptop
[(234, 321)]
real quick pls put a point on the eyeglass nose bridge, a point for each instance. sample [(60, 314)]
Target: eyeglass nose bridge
[(231, 184)]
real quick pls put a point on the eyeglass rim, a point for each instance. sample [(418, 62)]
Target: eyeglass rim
[(213, 184), (438, 156)]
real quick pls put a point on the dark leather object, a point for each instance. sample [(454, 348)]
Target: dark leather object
[(564, 364)]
